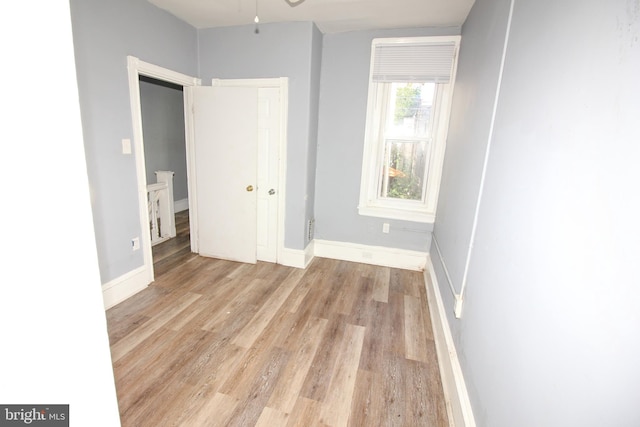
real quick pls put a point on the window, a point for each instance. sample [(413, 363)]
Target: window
[(410, 91)]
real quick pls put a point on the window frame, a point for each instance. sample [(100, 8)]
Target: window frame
[(370, 204)]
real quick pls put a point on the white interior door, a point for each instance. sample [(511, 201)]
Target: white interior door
[(268, 193), (225, 121)]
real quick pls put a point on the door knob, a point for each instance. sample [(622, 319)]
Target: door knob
[(249, 187), (272, 192)]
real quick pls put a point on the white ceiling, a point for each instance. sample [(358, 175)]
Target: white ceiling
[(331, 16)]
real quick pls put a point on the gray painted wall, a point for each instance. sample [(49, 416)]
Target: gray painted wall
[(481, 48), (279, 50), (104, 33), (314, 105), (549, 333), (343, 103), (164, 138)]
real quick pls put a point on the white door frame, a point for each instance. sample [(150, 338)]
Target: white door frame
[(137, 68), (281, 83)]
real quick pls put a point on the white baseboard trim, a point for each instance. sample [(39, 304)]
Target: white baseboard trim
[(375, 255), (455, 390), (180, 205), (123, 287), (296, 257), (309, 253)]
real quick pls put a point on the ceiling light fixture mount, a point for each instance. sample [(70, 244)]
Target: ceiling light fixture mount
[(294, 3), (256, 20)]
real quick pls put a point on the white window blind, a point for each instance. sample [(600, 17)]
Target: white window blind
[(414, 62)]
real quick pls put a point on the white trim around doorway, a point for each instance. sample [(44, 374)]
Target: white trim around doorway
[(137, 68)]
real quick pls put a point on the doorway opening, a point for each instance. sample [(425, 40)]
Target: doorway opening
[(139, 71), (165, 158), (148, 84)]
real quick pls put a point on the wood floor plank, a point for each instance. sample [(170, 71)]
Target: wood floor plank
[(336, 406), (321, 296), (176, 278), (310, 278), (163, 388), (198, 375), (423, 402), (349, 290), (414, 329), (239, 301), (308, 308), (272, 418), (185, 317), (376, 341), (214, 301), (234, 320), (242, 382), (220, 343), (413, 283), (214, 413), (202, 381), (210, 273), (317, 382), (367, 406), (127, 316), (213, 275), (363, 302), (381, 284), (124, 326), (286, 392), (247, 336), (148, 328), (426, 317), (151, 354), (290, 337), (394, 327), (254, 394), (306, 413), (393, 390), (401, 281), (214, 367), (169, 263)]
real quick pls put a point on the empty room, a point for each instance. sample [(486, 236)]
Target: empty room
[(324, 213)]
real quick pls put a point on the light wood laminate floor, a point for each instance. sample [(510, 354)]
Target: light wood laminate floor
[(219, 343)]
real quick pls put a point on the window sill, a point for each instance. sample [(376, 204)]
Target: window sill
[(401, 214)]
